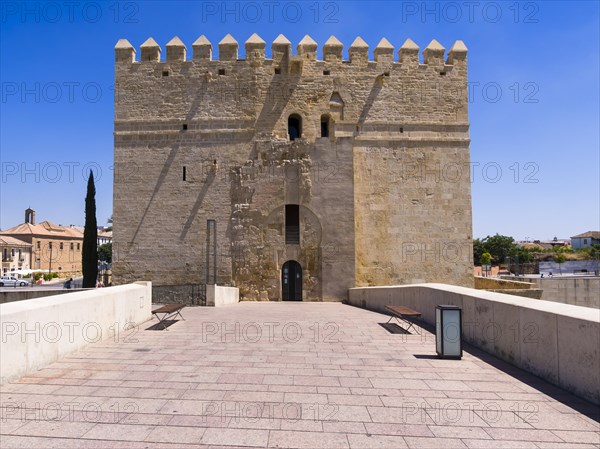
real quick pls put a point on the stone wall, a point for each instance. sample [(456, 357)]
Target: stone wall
[(483, 283), (577, 290), (385, 198), (557, 342)]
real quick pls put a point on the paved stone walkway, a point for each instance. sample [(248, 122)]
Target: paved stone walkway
[(289, 375)]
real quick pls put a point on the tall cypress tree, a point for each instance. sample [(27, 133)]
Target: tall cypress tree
[(89, 252)]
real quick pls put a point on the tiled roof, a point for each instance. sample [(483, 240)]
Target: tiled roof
[(6, 240), (44, 229), (589, 234)]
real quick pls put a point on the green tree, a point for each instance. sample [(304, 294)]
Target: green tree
[(478, 250), (486, 258), (525, 255), (500, 247), (595, 255), (105, 252), (560, 258), (592, 252), (89, 250)]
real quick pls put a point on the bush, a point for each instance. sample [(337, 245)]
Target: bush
[(54, 275)]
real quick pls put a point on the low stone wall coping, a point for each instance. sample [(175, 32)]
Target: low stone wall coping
[(569, 310)]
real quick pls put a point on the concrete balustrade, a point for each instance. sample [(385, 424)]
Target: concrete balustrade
[(557, 342), (39, 331)]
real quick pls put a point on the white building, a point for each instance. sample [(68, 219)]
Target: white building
[(585, 240)]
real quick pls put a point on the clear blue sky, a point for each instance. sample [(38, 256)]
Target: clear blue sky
[(533, 69)]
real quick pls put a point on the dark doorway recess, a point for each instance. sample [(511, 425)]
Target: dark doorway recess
[(291, 281)]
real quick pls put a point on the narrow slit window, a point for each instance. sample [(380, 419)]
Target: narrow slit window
[(324, 125), (292, 224), (184, 173)]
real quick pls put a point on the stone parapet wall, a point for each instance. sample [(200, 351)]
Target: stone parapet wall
[(218, 296), (21, 295), (557, 342), (37, 332), (577, 290)]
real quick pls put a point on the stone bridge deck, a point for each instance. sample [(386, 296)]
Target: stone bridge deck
[(288, 375)]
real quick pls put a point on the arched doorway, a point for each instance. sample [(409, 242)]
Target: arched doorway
[(294, 126), (291, 281)]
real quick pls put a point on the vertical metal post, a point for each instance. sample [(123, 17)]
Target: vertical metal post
[(211, 250), (214, 251)]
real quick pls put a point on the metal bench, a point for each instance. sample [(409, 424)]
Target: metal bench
[(168, 311), (403, 313)]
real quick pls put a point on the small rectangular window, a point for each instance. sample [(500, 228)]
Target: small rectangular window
[(184, 173), (326, 72), (277, 71), (324, 126), (292, 224), (72, 247), (39, 244), (61, 246), (221, 71), (184, 127), (165, 73), (78, 246)]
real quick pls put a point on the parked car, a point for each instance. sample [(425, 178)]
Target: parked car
[(11, 281)]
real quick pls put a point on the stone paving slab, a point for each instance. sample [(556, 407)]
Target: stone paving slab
[(288, 375)]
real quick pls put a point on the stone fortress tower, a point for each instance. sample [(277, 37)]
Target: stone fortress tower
[(291, 177)]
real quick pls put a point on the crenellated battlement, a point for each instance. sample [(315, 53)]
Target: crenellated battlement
[(281, 49)]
